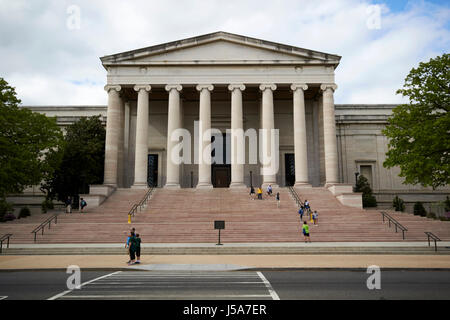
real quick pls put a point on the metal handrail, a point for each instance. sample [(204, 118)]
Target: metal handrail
[(434, 237), (295, 196), (395, 222), (43, 224), (141, 203), (3, 238)]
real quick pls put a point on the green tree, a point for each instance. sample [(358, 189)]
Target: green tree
[(80, 162), (418, 132), (25, 138), (368, 199)]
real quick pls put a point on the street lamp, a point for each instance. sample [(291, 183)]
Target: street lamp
[(356, 179)]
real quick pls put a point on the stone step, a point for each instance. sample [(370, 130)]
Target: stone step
[(230, 250)]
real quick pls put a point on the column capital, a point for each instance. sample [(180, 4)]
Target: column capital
[(297, 86), (201, 87), (270, 86), (326, 86), (177, 87), (111, 87), (145, 87), (234, 86)]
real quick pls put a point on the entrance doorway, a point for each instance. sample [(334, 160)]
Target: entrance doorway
[(221, 160), (152, 170), (289, 165)]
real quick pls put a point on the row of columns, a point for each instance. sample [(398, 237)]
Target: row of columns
[(115, 134)]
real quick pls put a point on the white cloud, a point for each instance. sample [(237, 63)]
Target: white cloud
[(50, 64)]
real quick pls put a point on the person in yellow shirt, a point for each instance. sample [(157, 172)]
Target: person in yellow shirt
[(259, 193)]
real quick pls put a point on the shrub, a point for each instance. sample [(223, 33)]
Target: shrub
[(9, 217), (363, 185), (398, 204), (24, 212), (447, 204), (369, 200), (5, 208), (47, 204), (419, 209), (431, 215)]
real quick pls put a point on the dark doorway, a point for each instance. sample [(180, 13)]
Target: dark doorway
[(289, 164), (221, 161), (152, 172)]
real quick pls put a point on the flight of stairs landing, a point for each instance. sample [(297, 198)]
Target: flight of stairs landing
[(188, 215)]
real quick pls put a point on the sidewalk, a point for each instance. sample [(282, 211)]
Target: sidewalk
[(227, 262), (230, 256)]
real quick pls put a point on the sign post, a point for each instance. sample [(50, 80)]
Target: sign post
[(219, 225)]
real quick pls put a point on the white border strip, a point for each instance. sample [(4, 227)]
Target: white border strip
[(83, 284), (272, 292)]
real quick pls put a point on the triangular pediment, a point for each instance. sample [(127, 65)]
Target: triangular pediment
[(221, 47)]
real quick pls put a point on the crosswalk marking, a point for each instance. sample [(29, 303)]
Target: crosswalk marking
[(272, 292), (174, 285)]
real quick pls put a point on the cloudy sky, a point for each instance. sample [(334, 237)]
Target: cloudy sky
[(52, 60)]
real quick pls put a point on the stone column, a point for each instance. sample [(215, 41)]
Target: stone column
[(173, 123), (120, 156), (204, 146), (237, 137), (112, 134), (329, 135), (141, 157), (126, 144), (300, 144), (268, 123)]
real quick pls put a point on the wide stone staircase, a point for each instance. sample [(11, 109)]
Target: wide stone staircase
[(188, 215), (341, 223)]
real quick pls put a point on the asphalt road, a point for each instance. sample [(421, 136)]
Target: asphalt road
[(230, 285)]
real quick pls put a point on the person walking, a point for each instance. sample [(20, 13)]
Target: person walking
[(69, 205), (83, 204), (132, 248), (301, 211), (127, 244), (278, 199), (315, 217), (259, 193), (305, 230), (307, 207), (138, 249), (252, 193), (269, 190)]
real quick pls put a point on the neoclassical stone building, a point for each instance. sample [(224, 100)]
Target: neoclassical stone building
[(225, 81)]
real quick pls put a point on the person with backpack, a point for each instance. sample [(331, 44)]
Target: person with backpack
[(133, 245), (305, 230), (301, 211), (278, 199), (83, 204)]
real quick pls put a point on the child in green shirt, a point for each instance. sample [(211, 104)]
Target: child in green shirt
[(305, 230)]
